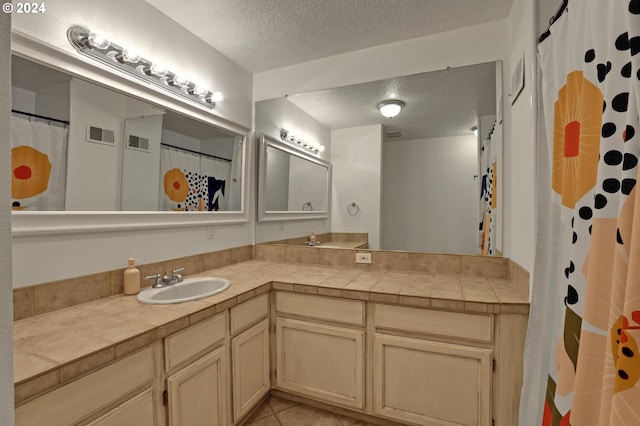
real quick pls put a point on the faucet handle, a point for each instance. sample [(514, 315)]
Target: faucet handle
[(157, 277), (175, 271)]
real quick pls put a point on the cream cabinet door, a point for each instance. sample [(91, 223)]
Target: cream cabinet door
[(197, 393), (431, 383), (320, 361), (137, 411), (250, 359)]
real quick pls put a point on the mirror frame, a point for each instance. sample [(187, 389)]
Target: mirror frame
[(267, 141), (59, 222)]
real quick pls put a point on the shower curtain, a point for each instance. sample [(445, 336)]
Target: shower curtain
[(214, 175), (38, 165), (582, 360), (191, 182), (488, 197)]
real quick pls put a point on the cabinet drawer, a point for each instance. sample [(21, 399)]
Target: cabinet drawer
[(249, 313), (325, 308), (440, 323), (184, 344), (77, 400), (137, 411)]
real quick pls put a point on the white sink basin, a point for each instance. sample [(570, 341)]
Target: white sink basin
[(189, 289)]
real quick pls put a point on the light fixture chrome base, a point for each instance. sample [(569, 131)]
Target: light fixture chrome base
[(112, 56)]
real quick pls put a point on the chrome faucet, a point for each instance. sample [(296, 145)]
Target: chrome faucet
[(166, 280)]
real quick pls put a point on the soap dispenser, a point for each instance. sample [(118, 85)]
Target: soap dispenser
[(131, 278)]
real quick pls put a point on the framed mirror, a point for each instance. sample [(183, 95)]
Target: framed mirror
[(423, 181), (115, 159), (292, 184)]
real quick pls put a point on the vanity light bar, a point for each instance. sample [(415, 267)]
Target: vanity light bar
[(97, 47), (288, 136)]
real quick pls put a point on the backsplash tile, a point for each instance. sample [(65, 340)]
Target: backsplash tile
[(437, 263), (42, 298), (191, 264), (23, 305), (486, 266), (65, 293), (385, 260)]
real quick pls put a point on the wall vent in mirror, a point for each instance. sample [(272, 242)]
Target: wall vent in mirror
[(99, 135), (138, 143)]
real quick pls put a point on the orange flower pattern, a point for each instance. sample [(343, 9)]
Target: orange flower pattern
[(176, 186), (576, 138), (30, 172)]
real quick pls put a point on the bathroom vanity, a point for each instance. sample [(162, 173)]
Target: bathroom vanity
[(413, 347)]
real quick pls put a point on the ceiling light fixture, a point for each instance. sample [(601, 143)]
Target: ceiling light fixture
[(105, 51), (390, 108)]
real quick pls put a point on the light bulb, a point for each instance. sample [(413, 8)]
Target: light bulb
[(217, 96), (199, 90), (178, 81), (390, 108), (158, 69), (129, 55), (321, 148), (98, 41)]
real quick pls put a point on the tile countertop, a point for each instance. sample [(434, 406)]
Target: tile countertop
[(56, 347)]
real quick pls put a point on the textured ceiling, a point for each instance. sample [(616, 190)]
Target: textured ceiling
[(438, 104), (265, 34)]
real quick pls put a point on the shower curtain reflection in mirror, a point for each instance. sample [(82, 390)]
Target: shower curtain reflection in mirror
[(38, 164), (191, 181)]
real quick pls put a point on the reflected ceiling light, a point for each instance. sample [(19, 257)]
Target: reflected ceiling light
[(474, 129), (390, 108), (288, 136), (96, 46)]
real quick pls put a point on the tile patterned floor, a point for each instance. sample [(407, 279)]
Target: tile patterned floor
[(279, 412)]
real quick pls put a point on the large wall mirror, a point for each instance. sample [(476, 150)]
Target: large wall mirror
[(82, 151), (292, 184), (423, 180)]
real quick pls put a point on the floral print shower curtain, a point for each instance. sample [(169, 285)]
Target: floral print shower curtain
[(192, 182), (590, 95), (38, 165)]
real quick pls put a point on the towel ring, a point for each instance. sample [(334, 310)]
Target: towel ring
[(353, 209), (307, 207)]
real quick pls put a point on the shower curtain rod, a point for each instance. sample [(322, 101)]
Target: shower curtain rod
[(40, 116), (554, 18), (195, 152)]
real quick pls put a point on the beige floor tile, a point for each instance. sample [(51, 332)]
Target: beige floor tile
[(271, 420), (348, 421), (307, 416), (263, 411), (279, 404)]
